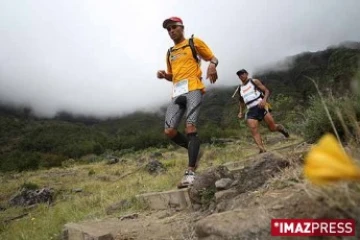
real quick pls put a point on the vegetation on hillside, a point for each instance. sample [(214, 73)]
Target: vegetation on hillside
[(28, 142)]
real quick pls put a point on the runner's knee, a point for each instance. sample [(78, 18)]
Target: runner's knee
[(190, 128), (170, 132), (253, 128)]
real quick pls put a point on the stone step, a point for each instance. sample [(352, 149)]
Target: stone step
[(103, 229), (173, 199), (88, 231), (154, 226)]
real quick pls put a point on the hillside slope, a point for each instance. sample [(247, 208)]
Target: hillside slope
[(29, 142)]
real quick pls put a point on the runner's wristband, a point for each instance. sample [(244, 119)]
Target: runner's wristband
[(215, 62)]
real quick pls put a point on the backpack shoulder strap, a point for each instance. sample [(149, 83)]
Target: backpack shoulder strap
[(192, 46), (193, 50), (168, 56), (253, 83), (257, 88)]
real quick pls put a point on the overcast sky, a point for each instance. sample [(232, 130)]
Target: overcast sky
[(101, 57)]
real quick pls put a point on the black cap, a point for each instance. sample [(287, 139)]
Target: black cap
[(242, 71)]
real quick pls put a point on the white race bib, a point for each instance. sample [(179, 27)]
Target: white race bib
[(180, 87)]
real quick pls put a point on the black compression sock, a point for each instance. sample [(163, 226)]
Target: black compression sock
[(180, 140), (193, 150), (283, 130)]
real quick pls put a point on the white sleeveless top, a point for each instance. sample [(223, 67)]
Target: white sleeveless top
[(250, 94)]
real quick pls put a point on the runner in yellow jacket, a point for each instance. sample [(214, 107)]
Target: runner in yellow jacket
[(183, 70)]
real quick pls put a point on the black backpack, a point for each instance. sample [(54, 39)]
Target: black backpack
[(193, 50)]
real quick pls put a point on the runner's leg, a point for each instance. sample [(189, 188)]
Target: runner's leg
[(273, 127), (253, 117), (254, 128), (194, 100), (173, 117)]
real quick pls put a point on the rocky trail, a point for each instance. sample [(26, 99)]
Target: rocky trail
[(235, 200)]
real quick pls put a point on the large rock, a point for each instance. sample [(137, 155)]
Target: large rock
[(262, 168), (29, 197), (251, 219), (204, 187), (121, 205), (223, 183), (256, 171), (237, 224)]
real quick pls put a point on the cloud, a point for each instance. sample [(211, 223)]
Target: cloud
[(101, 57)]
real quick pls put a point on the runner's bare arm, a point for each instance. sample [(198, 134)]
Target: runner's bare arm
[(211, 71), (161, 74), (169, 76), (206, 54), (262, 88), (241, 104)]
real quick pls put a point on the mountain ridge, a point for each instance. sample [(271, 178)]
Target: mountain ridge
[(31, 142)]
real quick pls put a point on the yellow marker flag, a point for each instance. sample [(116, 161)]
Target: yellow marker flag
[(326, 162)]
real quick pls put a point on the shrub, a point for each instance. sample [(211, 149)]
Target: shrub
[(317, 122), (20, 161), (29, 186)]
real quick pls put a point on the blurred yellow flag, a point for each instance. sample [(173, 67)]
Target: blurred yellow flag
[(326, 162)]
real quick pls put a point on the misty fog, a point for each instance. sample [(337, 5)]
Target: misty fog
[(101, 57)]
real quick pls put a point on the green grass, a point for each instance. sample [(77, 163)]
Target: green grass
[(100, 189)]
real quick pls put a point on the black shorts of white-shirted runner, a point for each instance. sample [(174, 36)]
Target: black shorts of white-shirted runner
[(256, 113)]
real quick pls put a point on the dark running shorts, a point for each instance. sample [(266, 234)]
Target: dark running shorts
[(256, 113), (190, 103)]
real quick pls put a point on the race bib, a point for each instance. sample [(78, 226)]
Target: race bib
[(180, 87)]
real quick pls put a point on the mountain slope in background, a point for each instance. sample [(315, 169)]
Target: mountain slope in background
[(28, 142)]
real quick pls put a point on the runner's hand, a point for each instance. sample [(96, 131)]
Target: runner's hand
[(161, 74), (262, 104), (212, 73)]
